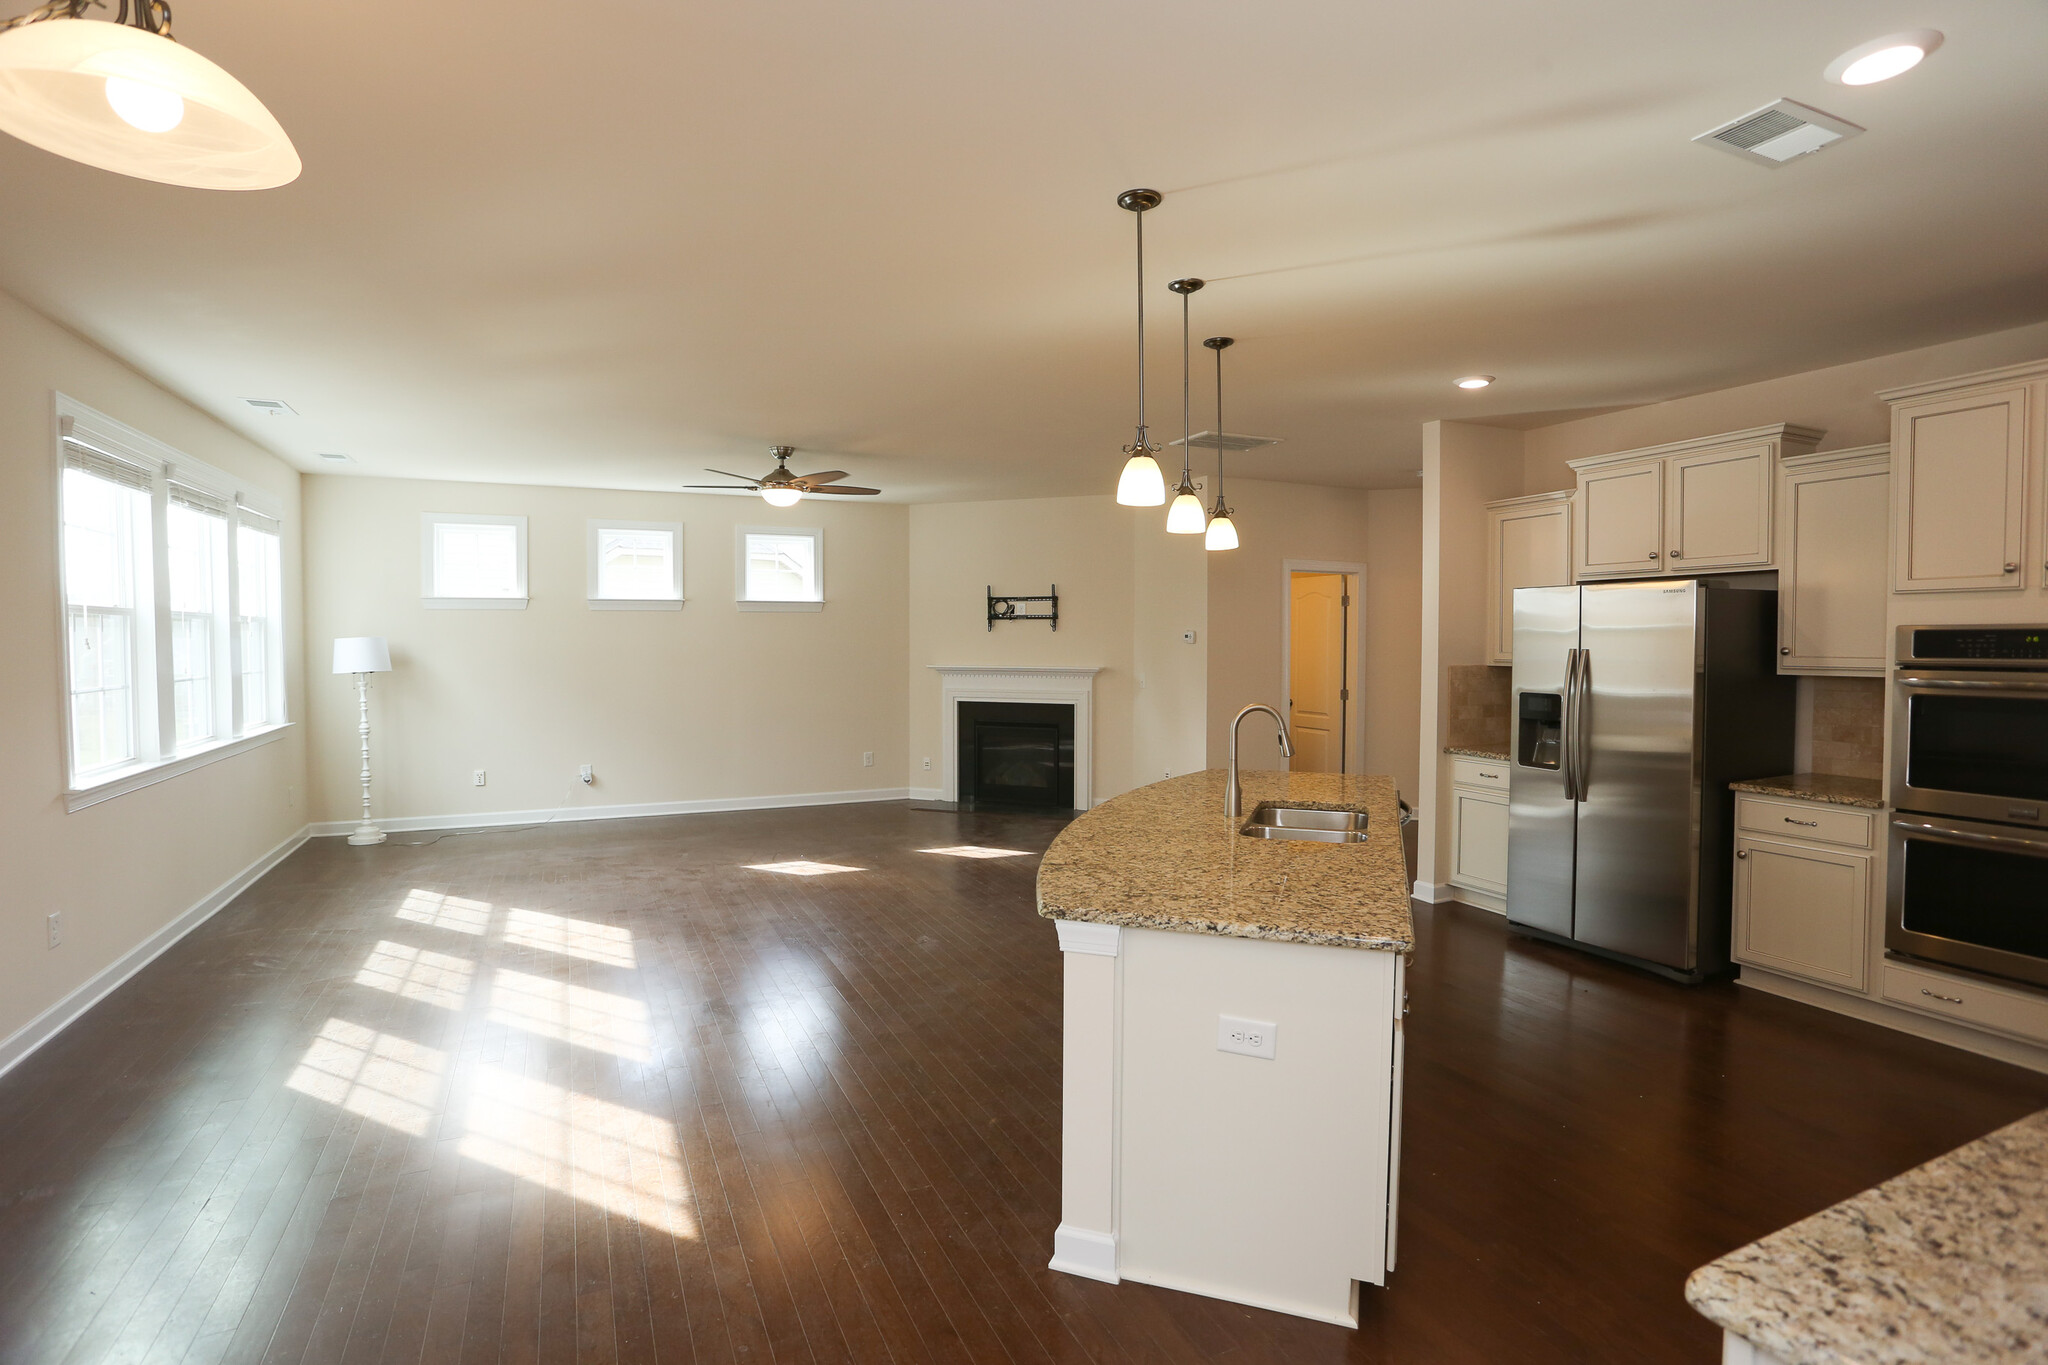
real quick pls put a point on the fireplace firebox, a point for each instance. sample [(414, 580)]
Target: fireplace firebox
[(1017, 754)]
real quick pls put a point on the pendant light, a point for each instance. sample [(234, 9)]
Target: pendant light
[(1184, 518), (125, 96), (1142, 485), (1222, 533)]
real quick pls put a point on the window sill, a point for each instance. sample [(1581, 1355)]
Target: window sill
[(745, 605), (635, 603), (474, 603), (137, 776)]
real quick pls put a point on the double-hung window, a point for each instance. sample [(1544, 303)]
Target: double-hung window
[(781, 569), (173, 631)]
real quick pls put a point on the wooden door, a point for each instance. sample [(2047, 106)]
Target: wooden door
[(1831, 570), (1621, 513), (1803, 910), (1316, 671), (1961, 464), (1527, 546), (1718, 509)]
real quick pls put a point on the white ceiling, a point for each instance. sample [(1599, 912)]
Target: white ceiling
[(610, 245)]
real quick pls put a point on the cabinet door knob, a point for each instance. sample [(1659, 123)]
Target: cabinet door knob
[(1784, 649), (1742, 853), (1653, 554), (2012, 568), (1676, 555)]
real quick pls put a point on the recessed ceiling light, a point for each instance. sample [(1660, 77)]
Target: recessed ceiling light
[(1475, 381), (1882, 58)]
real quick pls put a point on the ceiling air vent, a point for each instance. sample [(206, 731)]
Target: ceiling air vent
[(272, 407), (1223, 440), (1778, 133), (336, 457)]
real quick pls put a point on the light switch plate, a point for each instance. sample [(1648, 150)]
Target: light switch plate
[(1249, 1037)]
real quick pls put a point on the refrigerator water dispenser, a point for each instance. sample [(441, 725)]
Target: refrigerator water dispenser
[(1541, 731)]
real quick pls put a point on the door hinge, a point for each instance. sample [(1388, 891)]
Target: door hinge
[(1347, 599), (1343, 694)]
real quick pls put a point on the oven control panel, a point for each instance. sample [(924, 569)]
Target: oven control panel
[(1973, 644)]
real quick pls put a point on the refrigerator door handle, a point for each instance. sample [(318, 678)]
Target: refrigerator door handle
[(1570, 738), (1582, 729)]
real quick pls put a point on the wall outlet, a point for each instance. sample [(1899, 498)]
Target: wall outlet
[(1249, 1037), (477, 778), (927, 765), (291, 798), (583, 775), (56, 927), (867, 758), (1187, 637)]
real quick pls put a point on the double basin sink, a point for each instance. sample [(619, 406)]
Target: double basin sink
[(1274, 821)]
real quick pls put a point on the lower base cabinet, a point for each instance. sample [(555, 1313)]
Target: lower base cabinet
[(1479, 826), (1802, 906)]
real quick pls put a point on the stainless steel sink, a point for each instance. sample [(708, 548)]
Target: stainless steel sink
[(1271, 821)]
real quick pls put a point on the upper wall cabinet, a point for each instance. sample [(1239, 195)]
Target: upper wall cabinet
[(1832, 539), (1960, 455), (1528, 545), (1700, 506)]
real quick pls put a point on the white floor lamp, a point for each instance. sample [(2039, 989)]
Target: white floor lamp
[(363, 655)]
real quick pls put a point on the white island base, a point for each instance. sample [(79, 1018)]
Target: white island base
[(1268, 1182)]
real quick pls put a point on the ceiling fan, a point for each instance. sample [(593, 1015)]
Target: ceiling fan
[(780, 487)]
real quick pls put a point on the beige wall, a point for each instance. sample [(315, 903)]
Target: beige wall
[(704, 704), (124, 869), (1278, 522)]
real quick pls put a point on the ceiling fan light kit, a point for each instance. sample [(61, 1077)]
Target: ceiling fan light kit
[(126, 97), (1141, 484)]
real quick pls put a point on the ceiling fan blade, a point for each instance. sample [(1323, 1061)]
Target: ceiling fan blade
[(743, 478), (724, 487), (828, 476), (842, 488)]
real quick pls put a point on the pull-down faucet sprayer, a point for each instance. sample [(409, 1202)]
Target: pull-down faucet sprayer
[(1233, 792)]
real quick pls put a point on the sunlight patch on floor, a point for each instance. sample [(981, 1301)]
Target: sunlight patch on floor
[(416, 974), (977, 851), (618, 1159), (570, 937), (802, 869), (385, 1078), (616, 1024), (445, 911)]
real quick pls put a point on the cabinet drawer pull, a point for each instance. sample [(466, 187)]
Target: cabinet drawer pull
[(1742, 853), (1952, 999), (1809, 824)]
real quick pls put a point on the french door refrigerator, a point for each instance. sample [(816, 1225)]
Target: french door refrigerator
[(1634, 706)]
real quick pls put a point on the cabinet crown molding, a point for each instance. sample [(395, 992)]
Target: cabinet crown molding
[(1787, 434), (1533, 499), (1824, 459), (2009, 374)]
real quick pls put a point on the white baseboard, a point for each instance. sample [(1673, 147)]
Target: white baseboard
[(1078, 1251), (570, 814), (1342, 1317), (927, 793), (1993, 1045), (1477, 899), (104, 982), (1434, 893)]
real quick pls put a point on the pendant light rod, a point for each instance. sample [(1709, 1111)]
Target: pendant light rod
[(1141, 484), (1137, 201), (1217, 344), (1184, 517)]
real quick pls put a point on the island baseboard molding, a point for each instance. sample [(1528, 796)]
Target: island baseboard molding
[(1081, 1251)]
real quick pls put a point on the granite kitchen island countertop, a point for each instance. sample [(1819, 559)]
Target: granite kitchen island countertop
[(1166, 857), (1866, 792), (1946, 1263)]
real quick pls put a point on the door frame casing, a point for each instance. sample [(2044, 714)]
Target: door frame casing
[(1354, 709)]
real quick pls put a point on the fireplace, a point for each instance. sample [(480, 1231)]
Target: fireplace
[(1035, 688), (1016, 754)]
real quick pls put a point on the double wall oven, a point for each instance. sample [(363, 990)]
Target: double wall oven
[(1969, 835)]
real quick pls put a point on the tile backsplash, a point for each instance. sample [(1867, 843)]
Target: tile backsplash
[(1477, 711), (1848, 726)]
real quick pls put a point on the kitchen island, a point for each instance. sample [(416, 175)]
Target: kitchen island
[(1232, 1066)]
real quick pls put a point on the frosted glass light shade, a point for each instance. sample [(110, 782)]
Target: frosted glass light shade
[(1222, 533), (362, 654), (92, 90), (782, 497), (1142, 485), (1185, 517)]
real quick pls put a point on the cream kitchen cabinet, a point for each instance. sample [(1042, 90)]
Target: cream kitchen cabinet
[(1479, 829), (1802, 896), (1528, 545), (1832, 539), (1961, 455), (1699, 506)]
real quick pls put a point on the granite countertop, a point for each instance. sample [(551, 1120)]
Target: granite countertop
[(1948, 1262), (1167, 857), (1866, 792), (1497, 755)]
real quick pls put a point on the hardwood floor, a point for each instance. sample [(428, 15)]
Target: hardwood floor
[(605, 1092)]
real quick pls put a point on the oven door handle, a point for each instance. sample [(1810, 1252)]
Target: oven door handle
[(1972, 684), (2037, 847)]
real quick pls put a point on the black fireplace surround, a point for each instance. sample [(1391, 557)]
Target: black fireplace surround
[(1016, 754)]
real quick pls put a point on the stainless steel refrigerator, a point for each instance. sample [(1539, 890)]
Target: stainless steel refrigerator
[(1634, 706)]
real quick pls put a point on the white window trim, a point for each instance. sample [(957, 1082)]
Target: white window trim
[(428, 520), (739, 558), (597, 524), (88, 426)]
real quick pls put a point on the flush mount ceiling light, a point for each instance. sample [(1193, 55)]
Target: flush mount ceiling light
[(1184, 518), (780, 488), (126, 97), (1475, 381), (1883, 58), (1141, 485), (1222, 533)]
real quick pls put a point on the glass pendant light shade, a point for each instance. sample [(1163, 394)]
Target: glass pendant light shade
[(137, 103), (782, 497), (1222, 533), (1185, 517), (1142, 483)]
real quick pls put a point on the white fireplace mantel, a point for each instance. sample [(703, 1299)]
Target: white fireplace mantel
[(991, 682)]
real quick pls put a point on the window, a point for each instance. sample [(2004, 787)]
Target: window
[(160, 557), (468, 561), (636, 565), (781, 569)]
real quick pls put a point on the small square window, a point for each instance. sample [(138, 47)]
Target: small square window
[(472, 561), (636, 565), (781, 568)]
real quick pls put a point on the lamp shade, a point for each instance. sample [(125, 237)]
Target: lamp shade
[(362, 654), (138, 103)]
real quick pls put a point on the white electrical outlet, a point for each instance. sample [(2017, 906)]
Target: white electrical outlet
[(56, 927), (583, 774), (867, 758), (927, 765), (1187, 637), (1251, 1037), (477, 778)]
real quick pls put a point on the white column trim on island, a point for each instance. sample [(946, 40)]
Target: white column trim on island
[(984, 682), (1085, 1241)]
